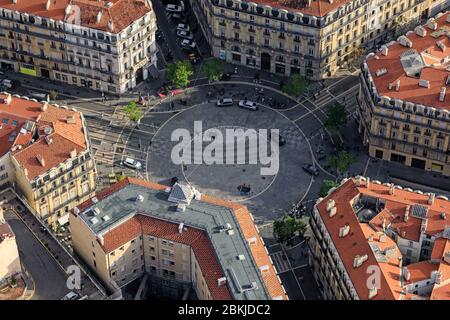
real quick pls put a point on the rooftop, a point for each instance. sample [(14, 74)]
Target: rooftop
[(5, 231), (111, 16), (368, 209), (318, 8), (222, 234), (416, 67), (39, 135)]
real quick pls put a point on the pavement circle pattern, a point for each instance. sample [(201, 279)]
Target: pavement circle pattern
[(271, 196)]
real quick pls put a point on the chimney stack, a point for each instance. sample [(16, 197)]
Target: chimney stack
[(180, 227), (391, 189), (406, 213), (367, 182), (343, 231), (431, 198)]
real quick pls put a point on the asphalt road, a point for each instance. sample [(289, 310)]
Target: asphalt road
[(50, 280)]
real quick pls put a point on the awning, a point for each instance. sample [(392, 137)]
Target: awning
[(63, 220), (153, 71)]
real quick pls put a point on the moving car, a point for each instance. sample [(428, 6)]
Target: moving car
[(71, 296), (185, 34), (310, 169), (247, 104), (183, 27), (224, 102), (187, 44), (133, 164), (174, 8)]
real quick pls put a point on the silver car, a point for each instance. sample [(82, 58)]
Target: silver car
[(133, 164)]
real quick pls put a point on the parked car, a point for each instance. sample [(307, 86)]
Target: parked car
[(71, 296), (185, 34), (7, 83), (174, 8), (133, 164), (311, 169), (187, 44), (225, 102), (183, 27), (247, 104)]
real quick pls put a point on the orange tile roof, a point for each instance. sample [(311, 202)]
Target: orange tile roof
[(357, 243), (435, 68), (318, 8), (65, 136), (122, 12), (196, 238)]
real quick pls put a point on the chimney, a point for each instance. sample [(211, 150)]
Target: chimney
[(41, 160), (330, 204), (68, 9), (407, 208), (359, 260), (397, 85), (8, 99), (110, 25), (420, 31), (381, 72), (221, 281), (333, 212), (391, 189), (406, 273), (432, 24), (47, 5), (384, 50), (442, 94), (424, 83), (343, 231), (373, 292), (383, 224), (180, 227), (367, 182), (44, 106), (447, 257), (431, 198), (73, 153), (400, 261), (99, 16), (441, 45)]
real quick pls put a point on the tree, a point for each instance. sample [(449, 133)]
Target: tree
[(133, 112), (296, 86), (285, 229), (336, 117), (342, 161), (179, 73), (121, 177), (326, 186), (213, 69)]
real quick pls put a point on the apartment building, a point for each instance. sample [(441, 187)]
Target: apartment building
[(311, 38), (10, 261), (177, 235), (403, 109), (381, 242), (46, 154), (108, 46)]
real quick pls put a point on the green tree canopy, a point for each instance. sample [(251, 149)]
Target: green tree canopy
[(336, 117), (285, 229), (326, 186), (179, 73), (213, 69), (133, 112), (296, 86), (342, 161)]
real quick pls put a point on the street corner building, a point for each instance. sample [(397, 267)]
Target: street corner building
[(10, 262), (404, 106), (313, 38), (176, 236), (108, 46), (45, 156), (381, 242)]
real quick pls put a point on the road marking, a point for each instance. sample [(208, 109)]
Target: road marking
[(366, 167)]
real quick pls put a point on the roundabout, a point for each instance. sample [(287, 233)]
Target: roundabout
[(268, 196)]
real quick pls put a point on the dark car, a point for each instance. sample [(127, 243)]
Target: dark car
[(225, 76), (311, 169)]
